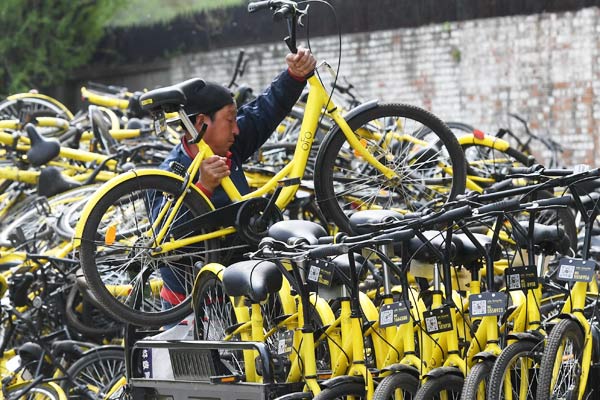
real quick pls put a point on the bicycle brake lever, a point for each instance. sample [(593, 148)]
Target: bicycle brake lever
[(301, 14)]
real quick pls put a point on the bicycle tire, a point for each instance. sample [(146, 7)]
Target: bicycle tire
[(95, 370), (213, 315), (407, 383), (27, 105), (448, 386), (509, 366), (550, 385), (90, 320), (344, 183), (475, 385), (129, 205), (342, 390), (41, 391)]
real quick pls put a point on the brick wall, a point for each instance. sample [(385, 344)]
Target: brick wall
[(543, 67)]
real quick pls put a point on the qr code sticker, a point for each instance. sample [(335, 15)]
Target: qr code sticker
[(479, 307), (431, 323), (313, 273), (514, 282), (281, 346), (566, 272), (387, 317)]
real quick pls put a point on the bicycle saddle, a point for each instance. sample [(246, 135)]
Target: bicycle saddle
[(30, 351), (170, 98), (550, 238), (467, 253), (255, 279), (286, 231), (42, 150), (52, 181), (420, 251), (370, 221)]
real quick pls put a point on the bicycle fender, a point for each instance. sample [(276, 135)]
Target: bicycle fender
[(402, 368), (441, 371), (573, 318), (533, 336), (106, 346), (358, 109), (487, 141), (295, 396), (133, 174), (485, 355), (214, 268), (339, 380)]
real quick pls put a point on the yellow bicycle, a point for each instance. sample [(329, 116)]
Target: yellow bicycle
[(145, 220)]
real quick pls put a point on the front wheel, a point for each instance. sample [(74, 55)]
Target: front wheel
[(400, 385), (422, 151), (475, 386), (347, 390), (447, 387), (515, 372), (118, 241), (562, 363)]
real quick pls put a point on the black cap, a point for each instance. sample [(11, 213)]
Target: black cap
[(207, 99)]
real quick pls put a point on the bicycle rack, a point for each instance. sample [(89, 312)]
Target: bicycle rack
[(195, 372)]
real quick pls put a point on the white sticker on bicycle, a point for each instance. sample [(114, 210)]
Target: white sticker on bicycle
[(514, 282), (566, 272), (313, 273), (479, 307), (13, 364), (432, 324)]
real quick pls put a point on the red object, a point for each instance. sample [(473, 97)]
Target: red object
[(478, 134)]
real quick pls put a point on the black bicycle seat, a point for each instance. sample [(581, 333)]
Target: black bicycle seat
[(170, 98), (42, 150), (253, 279)]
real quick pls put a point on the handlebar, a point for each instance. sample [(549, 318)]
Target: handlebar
[(282, 9)]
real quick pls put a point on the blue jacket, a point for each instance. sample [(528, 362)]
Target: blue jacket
[(256, 121)]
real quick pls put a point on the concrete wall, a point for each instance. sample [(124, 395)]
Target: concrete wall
[(543, 67)]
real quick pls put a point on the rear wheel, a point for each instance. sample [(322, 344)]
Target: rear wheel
[(400, 385), (117, 245), (475, 386), (446, 387)]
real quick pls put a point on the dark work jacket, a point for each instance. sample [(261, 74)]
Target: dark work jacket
[(256, 121)]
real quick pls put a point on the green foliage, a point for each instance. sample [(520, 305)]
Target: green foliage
[(149, 12), (43, 41)]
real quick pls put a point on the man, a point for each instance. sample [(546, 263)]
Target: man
[(233, 135)]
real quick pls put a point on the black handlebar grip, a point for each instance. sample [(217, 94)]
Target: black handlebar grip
[(504, 205), (558, 172), (554, 201), (498, 186), (328, 251), (398, 236), (451, 215), (258, 5), (525, 170)]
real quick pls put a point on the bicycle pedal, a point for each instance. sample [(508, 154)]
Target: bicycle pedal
[(177, 168)]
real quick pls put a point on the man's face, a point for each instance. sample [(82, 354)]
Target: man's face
[(222, 130)]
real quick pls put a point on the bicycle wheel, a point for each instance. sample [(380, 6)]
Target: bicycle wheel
[(22, 105), (475, 386), (448, 386), (515, 372), (85, 315), (561, 365), (430, 169), (116, 250), (486, 163), (93, 372), (41, 391), (214, 313), (400, 385), (354, 390)]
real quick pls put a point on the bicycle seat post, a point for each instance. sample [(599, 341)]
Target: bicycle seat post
[(196, 137)]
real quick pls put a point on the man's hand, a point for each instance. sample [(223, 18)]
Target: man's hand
[(302, 63), (212, 171)]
